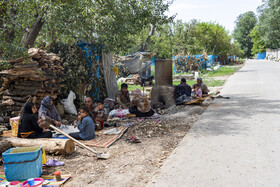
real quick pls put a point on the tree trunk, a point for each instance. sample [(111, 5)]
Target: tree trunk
[(29, 38), (51, 146), (145, 45)]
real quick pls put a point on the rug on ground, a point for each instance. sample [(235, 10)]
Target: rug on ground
[(50, 179), (104, 141)]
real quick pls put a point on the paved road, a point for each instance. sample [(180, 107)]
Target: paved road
[(235, 142)]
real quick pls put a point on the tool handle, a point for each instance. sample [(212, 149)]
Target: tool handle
[(70, 137)]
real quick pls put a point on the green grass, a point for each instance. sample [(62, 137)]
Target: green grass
[(130, 87), (221, 72)]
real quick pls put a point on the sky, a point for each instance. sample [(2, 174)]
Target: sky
[(223, 12)]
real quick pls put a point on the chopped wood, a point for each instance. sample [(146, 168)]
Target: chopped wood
[(51, 146)]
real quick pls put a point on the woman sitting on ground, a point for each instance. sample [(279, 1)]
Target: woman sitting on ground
[(28, 126), (86, 126), (140, 105), (48, 112)]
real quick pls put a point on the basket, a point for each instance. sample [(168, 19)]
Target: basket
[(14, 124), (23, 163)]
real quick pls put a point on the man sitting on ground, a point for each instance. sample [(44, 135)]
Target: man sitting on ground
[(90, 105), (122, 99), (187, 88), (202, 86)]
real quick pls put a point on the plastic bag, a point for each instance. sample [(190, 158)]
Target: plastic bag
[(68, 103)]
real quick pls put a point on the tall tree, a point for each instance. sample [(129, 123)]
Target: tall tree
[(258, 42), (269, 23), (244, 25)]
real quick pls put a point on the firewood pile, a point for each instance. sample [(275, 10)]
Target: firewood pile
[(32, 77), (79, 76), (185, 63)]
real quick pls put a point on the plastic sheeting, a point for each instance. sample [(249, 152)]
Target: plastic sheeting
[(109, 75), (261, 55)]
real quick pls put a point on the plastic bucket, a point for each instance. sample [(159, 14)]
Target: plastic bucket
[(23, 163)]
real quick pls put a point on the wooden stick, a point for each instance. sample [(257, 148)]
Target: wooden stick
[(98, 155)]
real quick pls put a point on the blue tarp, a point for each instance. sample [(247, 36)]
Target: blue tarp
[(91, 50), (261, 55)]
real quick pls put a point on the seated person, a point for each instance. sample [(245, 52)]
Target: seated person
[(122, 99), (49, 112), (197, 91), (140, 105), (187, 88), (202, 86), (89, 103), (100, 115), (28, 126), (86, 126)]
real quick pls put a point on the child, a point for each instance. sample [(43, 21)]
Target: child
[(197, 91), (85, 125), (100, 115)]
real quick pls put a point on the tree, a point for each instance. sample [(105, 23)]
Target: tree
[(269, 23), (213, 38), (236, 50), (244, 25), (194, 37), (258, 43), (103, 22)]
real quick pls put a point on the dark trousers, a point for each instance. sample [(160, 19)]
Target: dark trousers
[(75, 135), (47, 134), (135, 111)]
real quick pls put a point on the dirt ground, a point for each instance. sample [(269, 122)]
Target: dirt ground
[(131, 164)]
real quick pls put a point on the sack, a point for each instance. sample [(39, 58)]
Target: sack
[(69, 104)]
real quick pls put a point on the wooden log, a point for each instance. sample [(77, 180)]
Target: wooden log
[(51, 145), (5, 145), (14, 98), (33, 87), (20, 93)]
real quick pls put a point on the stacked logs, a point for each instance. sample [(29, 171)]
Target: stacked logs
[(80, 77), (185, 63), (35, 76)]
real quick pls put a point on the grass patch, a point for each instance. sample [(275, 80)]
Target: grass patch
[(130, 87), (221, 72)]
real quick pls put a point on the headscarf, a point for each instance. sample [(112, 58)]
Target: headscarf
[(48, 109), (28, 108)]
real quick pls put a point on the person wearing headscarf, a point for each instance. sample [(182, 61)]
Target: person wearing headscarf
[(28, 126), (48, 112), (202, 86), (140, 105)]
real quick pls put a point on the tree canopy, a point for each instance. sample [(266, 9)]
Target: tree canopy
[(193, 37), (258, 42), (269, 23), (244, 25), (27, 23)]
